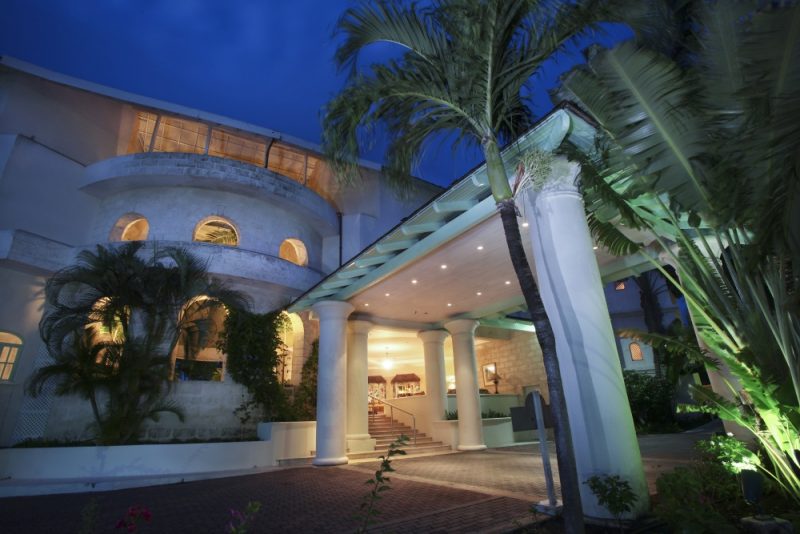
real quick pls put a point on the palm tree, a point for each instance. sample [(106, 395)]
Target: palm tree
[(464, 67), (701, 148), (111, 325)]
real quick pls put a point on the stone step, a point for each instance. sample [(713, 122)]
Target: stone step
[(382, 443), (410, 451)]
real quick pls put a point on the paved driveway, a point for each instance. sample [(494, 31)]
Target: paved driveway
[(488, 491)]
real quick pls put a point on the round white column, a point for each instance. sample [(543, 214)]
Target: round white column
[(468, 400), (435, 375), (358, 438), (332, 382), (572, 291)]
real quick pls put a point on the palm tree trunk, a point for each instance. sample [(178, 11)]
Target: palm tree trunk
[(567, 468)]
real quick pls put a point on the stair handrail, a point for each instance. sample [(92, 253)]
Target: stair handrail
[(391, 416)]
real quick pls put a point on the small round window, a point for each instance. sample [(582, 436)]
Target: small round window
[(218, 231), (130, 227), (294, 250)]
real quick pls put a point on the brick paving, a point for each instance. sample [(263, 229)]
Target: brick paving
[(487, 491)]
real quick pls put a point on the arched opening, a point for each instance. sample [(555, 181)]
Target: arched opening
[(294, 250), (130, 227), (196, 356), (293, 337), (10, 345), (636, 352), (216, 230)]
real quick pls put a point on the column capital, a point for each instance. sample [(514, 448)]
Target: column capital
[(332, 309), (437, 336), (563, 177), (360, 326), (461, 326)]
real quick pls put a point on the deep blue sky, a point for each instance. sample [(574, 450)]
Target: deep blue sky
[(267, 62)]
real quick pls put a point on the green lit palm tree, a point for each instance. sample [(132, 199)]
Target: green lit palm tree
[(464, 67), (111, 325)]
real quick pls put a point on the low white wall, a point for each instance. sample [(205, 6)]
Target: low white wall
[(496, 432), (71, 469), (289, 440)]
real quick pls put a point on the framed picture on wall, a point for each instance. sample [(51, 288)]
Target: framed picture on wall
[(489, 373)]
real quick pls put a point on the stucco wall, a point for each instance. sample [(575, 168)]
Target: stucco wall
[(518, 360)]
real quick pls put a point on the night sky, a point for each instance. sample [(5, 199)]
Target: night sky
[(267, 62)]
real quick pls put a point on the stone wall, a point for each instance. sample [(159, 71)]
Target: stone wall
[(208, 407), (519, 363)]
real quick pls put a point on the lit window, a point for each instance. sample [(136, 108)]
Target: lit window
[(636, 352), (218, 231), (179, 135), (620, 286), (227, 145), (130, 227), (294, 250), (10, 346)]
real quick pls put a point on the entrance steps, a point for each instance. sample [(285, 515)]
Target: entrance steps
[(385, 431)]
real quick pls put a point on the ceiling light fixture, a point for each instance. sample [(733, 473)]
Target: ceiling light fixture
[(449, 304), (366, 304), (595, 247), (387, 294), (414, 281), (479, 293), (508, 282), (525, 224), (443, 266), (480, 247)]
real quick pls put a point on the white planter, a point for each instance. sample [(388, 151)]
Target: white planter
[(289, 440), (496, 432)]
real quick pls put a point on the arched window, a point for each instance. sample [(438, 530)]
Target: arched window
[(216, 230), (294, 250), (130, 227), (636, 352), (196, 355), (10, 345), (292, 338)]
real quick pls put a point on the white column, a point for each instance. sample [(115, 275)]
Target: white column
[(331, 382), (358, 438), (468, 400), (435, 379), (572, 291)]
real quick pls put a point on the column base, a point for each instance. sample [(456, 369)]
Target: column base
[(360, 443), (480, 447), (322, 462)]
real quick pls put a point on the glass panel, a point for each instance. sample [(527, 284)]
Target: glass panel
[(179, 135), (12, 355), (4, 354), (142, 132), (6, 372), (287, 161), (228, 145)]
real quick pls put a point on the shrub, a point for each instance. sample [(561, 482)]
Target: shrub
[(651, 400), (613, 493)]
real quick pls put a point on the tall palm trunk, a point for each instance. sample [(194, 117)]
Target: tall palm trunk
[(565, 455)]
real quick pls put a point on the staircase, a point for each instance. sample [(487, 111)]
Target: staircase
[(384, 431)]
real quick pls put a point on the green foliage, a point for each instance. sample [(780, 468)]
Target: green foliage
[(680, 352), (729, 452), (489, 414), (380, 483), (700, 143), (89, 517), (305, 399), (614, 493), (254, 349), (111, 325), (651, 400), (703, 498), (240, 521)]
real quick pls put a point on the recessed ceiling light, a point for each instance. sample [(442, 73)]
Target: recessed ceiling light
[(480, 247), (479, 293), (595, 247), (387, 294), (525, 224), (443, 266), (366, 304), (449, 304), (414, 281), (508, 282)]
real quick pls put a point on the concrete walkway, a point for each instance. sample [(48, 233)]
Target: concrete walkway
[(489, 491)]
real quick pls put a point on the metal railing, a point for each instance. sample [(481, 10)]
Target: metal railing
[(391, 415)]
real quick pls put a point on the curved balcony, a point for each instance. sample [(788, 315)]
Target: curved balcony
[(247, 264), (167, 169)]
